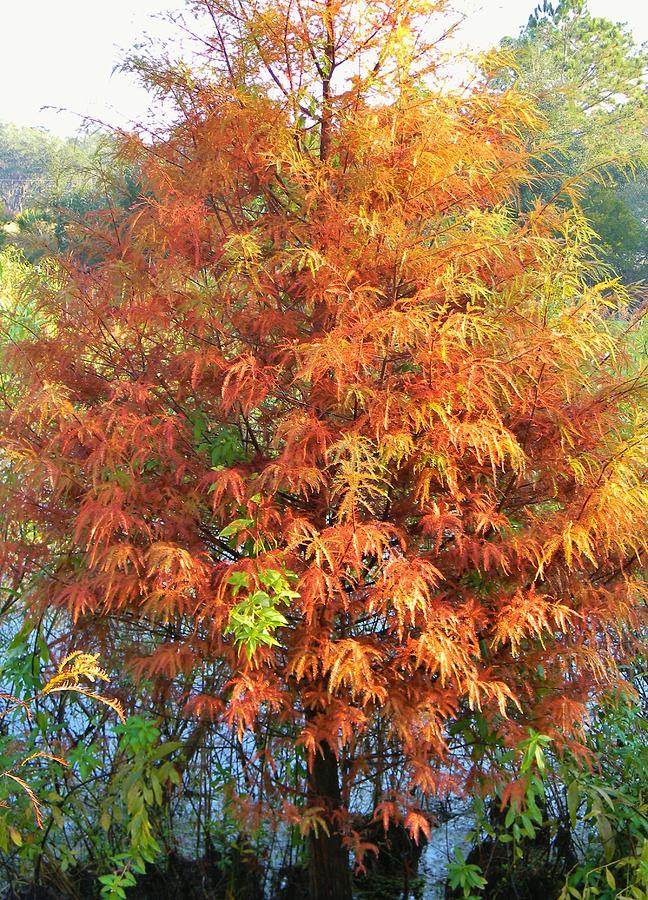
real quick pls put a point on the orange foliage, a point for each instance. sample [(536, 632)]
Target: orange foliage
[(327, 323)]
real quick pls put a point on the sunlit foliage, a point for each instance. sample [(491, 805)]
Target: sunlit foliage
[(358, 440)]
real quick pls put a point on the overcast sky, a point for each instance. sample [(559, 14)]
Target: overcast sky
[(62, 53)]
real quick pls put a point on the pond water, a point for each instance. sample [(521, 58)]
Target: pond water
[(440, 851)]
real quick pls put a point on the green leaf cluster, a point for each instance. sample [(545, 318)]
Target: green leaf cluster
[(254, 620)]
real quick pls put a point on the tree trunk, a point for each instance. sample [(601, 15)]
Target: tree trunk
[(329, 875), (327, 68)]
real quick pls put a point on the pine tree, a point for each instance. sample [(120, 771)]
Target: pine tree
[(328, 410)]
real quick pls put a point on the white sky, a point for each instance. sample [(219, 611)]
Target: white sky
[(61, 53)]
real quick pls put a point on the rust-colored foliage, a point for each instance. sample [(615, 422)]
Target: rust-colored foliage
[(325, 341)]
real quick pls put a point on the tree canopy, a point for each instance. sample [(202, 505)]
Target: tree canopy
[(588, 77), (345, 439)]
